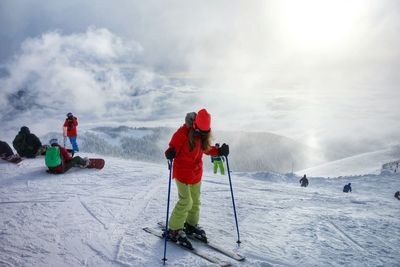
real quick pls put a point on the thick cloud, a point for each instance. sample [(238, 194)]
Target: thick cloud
[(91, 74), (322, 72)]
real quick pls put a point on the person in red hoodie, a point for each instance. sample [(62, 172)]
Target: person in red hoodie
[(186, 148), (66, 162), (70, 130)]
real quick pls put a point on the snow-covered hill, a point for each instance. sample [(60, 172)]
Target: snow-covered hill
[(95, 218), (250, 151), (365, 163)]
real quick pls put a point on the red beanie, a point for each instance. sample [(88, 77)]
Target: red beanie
[(203, 120)]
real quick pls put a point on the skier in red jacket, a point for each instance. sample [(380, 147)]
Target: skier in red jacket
[(70, 130), (186, 147)]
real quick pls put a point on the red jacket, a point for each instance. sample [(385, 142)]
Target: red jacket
[(188, 165), (65, 157), (71, 126)]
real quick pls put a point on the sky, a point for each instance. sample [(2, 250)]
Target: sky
[(322, 72)]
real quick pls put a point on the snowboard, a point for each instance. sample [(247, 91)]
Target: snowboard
[(96, 164), (13, 159)]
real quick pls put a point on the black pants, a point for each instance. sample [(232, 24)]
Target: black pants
[(74, 162)]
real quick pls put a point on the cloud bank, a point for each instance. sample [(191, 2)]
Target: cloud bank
[(321, 72), (93, 74)]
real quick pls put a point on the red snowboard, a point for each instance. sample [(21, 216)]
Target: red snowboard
[(96, 164)]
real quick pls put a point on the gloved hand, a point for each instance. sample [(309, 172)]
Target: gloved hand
[(223, 150), (170, 153)]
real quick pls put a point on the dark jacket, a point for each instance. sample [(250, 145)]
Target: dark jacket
[(5, 150), (347, 188), (397, 195), (304, 181), (26, 144)]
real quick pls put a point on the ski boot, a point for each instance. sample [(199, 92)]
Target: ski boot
[(86, 163), (195, 231), (179, 237)]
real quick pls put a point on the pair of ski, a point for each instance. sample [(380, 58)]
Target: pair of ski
[(198, 252)]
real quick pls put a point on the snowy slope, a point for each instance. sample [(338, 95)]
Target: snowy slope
[(95, 218), (366, 163)]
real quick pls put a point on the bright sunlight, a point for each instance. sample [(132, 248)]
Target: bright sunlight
[(316, 24)]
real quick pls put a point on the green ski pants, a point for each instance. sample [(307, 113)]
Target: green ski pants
[(220, 164), (187, 209)]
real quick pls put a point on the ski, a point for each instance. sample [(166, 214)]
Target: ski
[(197, 252), (231, 254)]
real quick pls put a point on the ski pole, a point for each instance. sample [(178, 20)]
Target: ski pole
[(233, 200), (166, 219), (65, 135)]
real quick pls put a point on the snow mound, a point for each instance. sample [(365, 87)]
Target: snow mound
[(366, 163), (391, 167)]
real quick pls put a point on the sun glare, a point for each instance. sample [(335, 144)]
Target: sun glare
[(318, 23)]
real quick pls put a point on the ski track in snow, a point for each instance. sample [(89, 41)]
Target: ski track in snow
[(346, 236), (93, 215), (95, 218)]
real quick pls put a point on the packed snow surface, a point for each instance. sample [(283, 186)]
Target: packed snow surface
[(89, 217)]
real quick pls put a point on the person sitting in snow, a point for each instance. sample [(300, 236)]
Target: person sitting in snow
[(347, 188), (186, 148), (218, 162), (304, 181), (58, 160), (27, 144), (397, 195), (70, 130), (7, 154)]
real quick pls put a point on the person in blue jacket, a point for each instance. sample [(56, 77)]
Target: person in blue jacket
[(347, 188), (218, 162)]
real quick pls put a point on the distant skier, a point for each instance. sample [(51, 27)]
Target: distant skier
[(187, 146), (58, 160), (397, 195), (7, 154), (70, 130), (304, 181), (27, 144), (218, 162), (347, 188)]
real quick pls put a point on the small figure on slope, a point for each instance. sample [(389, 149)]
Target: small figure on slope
[(304, 181), (347, 188), (218, 162), (70, 130), (397, 195), (186, 147), (7, 154), (27, 144), (58, 160)]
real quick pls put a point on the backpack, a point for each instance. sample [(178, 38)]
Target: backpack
[(53, 157)]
